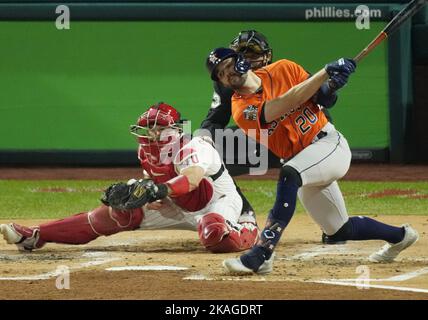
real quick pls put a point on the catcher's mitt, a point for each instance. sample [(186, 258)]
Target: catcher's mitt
[(125, 196)]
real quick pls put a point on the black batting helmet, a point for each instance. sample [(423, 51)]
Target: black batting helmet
[(219, 55)]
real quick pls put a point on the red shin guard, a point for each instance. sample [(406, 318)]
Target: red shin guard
[(85, 227)]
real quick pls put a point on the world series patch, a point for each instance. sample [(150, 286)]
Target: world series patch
[(250, 113)]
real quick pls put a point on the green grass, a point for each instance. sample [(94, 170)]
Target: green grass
[(261, 195), (28, 199)]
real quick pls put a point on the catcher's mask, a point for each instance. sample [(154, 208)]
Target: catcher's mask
[(218, 55), (158, 131), (254, 46)]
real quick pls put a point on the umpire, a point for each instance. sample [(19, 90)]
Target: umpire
[(255, 48)]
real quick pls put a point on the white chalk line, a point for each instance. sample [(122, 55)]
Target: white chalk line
[(198, 277), (147, 268), (342, 249), (409, 275), (313, 252), (94, 254), (320, 250), (326, 282), (201, 277), (362, 286), (323, 250), (43, 276), (96, 263), (398, 278), (53, 274)]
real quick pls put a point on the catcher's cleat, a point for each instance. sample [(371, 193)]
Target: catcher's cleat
[(26, 239), (325, 239), (235, 266), (390, 251)]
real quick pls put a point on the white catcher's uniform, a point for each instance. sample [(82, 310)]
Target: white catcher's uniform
[(225, 201), (320, 165)]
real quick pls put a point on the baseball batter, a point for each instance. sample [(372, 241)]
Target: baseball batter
[(254, 46), (275, 100), (189, 188)]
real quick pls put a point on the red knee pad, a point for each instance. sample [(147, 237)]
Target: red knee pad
[(107, 221), (219, 237), (212, 228)]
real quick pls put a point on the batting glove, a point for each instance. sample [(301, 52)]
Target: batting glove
[(342, 65), (339, 72)]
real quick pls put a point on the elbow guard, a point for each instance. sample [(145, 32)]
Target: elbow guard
[(179, 185), (326, 97)]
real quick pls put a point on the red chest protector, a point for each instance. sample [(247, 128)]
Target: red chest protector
[(192, 201)]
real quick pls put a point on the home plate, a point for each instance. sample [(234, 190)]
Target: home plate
[(147, 268)]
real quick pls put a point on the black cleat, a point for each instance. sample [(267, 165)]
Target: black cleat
[(326, 240)]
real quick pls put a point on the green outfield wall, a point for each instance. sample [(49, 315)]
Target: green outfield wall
[(80, 89)]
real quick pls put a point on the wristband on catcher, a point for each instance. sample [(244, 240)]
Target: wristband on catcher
[(179, 185)]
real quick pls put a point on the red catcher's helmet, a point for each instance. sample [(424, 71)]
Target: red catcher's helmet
[(158, 131)]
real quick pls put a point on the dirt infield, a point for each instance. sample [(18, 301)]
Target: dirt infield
[(304, 269), (362, 172)]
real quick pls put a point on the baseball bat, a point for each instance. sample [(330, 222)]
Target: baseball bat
[(408, 11)]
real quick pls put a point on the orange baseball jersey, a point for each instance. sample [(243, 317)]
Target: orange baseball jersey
[(294, 131)]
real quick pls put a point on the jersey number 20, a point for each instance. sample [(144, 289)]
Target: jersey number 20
[(306, 120)]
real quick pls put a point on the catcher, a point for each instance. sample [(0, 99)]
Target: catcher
[(185, 186)]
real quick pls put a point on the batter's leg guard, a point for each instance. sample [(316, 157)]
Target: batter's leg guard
[(220, 236), (285, 203), (85, 227)]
